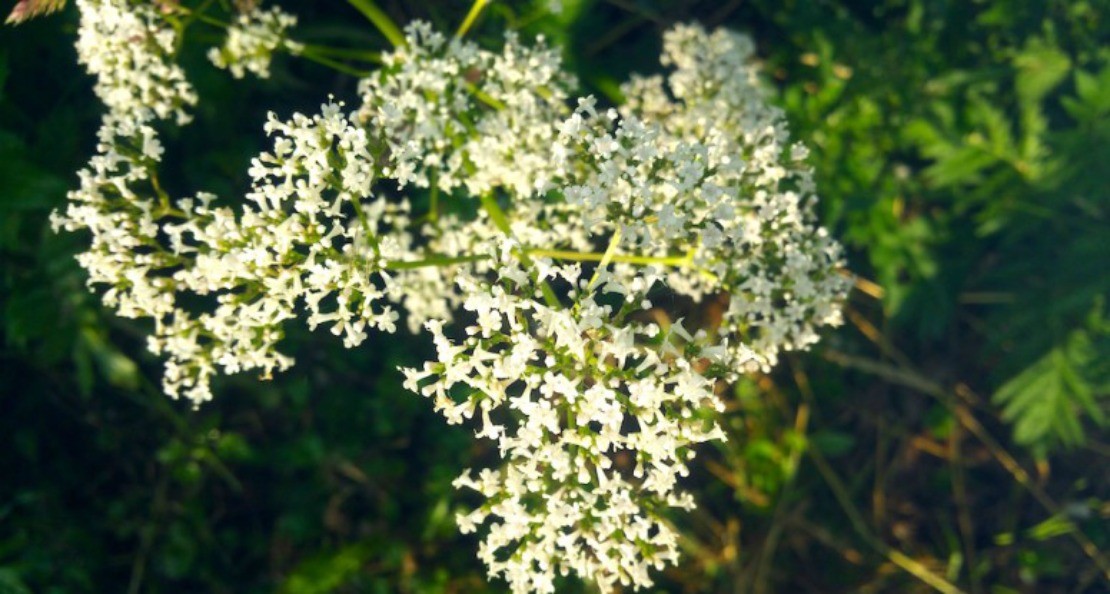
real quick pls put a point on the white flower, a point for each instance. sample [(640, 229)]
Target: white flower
[(300, 242), (709, 173), (591, 387), (128, 47), (251, 41), (562, 225), (498, 107)]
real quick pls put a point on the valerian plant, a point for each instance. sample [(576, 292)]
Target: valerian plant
[(580, 220)]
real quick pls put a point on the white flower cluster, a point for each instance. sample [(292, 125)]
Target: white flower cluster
[(594, 415), (306, 239), (217, 284), (457, 116), (552, 227), (702, 166), (128, 47), (454, 118), (251, 41)]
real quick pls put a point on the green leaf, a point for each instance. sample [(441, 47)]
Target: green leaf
[(10, 583), (26, 185), (960, 166), (1092, 96), (1045, 401), (327, 572), (994, 123), (1040, 68), (114, 366), (1057, 525)]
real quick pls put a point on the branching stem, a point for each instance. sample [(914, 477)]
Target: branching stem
[(489, 203), (683, 260)]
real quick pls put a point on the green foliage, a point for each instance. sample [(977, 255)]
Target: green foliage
[(1045, 400), (1008, 211)]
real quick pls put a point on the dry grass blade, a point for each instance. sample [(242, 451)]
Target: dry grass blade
[(28, 9)]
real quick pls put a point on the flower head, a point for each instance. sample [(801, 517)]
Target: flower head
[(251, 41), (128, 47)]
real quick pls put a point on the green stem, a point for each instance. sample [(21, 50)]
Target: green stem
[(343, 52), (482, 96), (549, 296), (191, 14), (596, 257), (200, 16), (432, 261), (437, 260), (502, 222), (903, 561), (610, 251), (917, 380), (475, 10), (380, 20), (315, 53), (526, 254), (370, 235), (433, 208), (163, 197), (310, 55), (495, 213)]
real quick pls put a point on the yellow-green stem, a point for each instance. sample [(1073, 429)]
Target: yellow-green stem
[(197, 14), (361, 55), (596, 257), (484, 97), (191, 15), (432, 261), (370, 235), (381, 20), (610, 251), (163, 197), (489, 203), (310, 55), (475, 10)]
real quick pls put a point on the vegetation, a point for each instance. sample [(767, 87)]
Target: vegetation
[(950, 436)]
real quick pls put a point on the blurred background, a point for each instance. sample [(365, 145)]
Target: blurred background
[(949, 437)]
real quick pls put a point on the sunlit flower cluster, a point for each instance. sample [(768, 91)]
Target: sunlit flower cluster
[(701, 165), (128, 48), (457, 116), (252, 40), (298, 243), (594, 415), (472, 181)]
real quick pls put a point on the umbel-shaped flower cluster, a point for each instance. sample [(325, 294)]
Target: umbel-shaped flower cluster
[(594, 415), (555, 225)]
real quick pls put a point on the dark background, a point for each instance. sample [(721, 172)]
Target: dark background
[(952, 431)]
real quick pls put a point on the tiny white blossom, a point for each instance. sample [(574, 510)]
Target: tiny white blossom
[(564, 495), (127, 46), (564, 225), (251, 41)]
